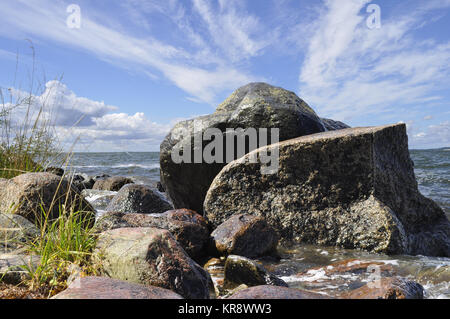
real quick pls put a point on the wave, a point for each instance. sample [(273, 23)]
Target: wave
[(150, 166)]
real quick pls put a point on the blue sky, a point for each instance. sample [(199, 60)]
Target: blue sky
[(136, 67)]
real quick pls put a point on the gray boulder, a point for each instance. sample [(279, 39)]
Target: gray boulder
[(353, 188), (332, 125), (134, 198), (33, 195), (256, 105), (152, 257), (245, 235), (15, 231)]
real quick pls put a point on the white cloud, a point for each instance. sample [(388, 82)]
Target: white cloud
[(351, 71)]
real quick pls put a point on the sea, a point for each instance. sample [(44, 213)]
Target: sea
[(300, 265)]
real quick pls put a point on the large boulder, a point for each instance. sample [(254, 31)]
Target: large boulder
[(353, 188), (256, 105), (134, 198), (189, 228), (107, 288), (34, 195), (13, 267), (245, 235), (152, 257), (332, 125), (114, 183)]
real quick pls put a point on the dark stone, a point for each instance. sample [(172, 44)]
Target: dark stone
[(256, 105), (114, 183), (245, 235), (353, 188), (160, 187), (55, 170), (15, 231), (240, 270), (332, 125), (107, 288), (387, 288), (133, 198)]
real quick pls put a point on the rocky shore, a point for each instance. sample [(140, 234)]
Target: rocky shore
[(206, 229)]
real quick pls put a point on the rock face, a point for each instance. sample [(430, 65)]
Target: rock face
[(353, 188), (107, 288), (275, 292), (142, 199), (152, 257), (332, 125), (245, 235), (189, 228), (387, 288), (114, 183), (15, 230), (24, 194), (256, 105), (11, 271), (240, 270)]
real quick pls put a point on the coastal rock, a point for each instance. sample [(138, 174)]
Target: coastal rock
[(353, 266), (15, 231), (240, 270), (141, 199), (275, 292), (387, 288), (353, 188), (152, 257), (332, 125), (82, 181), (245, 235), (114, 183), (55, 170), (256, 105), (28, 195), (107, 288), (189, 228)]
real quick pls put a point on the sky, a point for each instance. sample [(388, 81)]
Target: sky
[(119, 74)]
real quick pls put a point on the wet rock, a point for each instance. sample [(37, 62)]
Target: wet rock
[(189, 228), (114, 183), (15, 231), (354, 266), (11, 267), (240, 270), (160, 187), (332, 125), (275, 292), (107, 288), (28, 195), (387, 288), (256, 105), (353, 188), (55, 170), (152, 257), (245, 235), (141, 199)]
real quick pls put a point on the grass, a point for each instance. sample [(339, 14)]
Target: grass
[(29, 144)]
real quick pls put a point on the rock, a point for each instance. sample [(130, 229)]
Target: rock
[(189, 228), (354, 266), (27, 194), (275, 292), (107, 288), (142, 199), (387, 288), (11, 267), (55, 170), (332, 125), (160, 187), (256, 105), (15, 231), (152, 257), (353, 188), (240, 270), (245, 235), (82, 181), (114, 183)]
